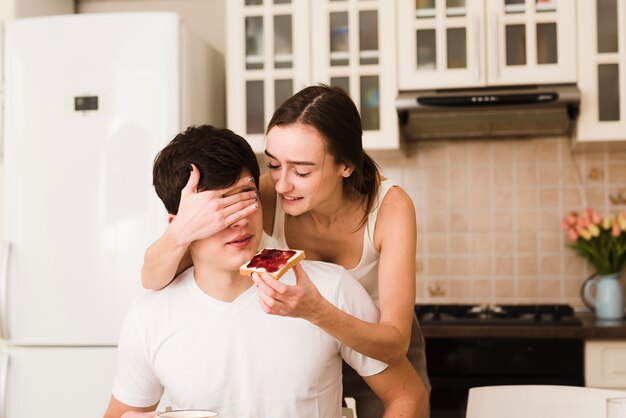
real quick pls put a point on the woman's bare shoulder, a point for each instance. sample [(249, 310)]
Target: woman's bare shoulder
[(396, 211)]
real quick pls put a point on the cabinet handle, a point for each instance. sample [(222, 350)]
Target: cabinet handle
[(4, 281), (495, 62), (476, 55)]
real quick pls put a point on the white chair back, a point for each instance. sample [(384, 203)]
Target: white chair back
[(539, 401)]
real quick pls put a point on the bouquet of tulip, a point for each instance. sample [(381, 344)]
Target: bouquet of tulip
[(599, 240)]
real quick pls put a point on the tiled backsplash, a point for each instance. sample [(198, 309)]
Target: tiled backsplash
[(489, 215)]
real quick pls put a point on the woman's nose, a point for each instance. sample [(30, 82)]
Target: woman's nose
[(282, 183), (240, 223)]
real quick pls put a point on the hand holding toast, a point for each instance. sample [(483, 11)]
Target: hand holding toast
[(301, 300)]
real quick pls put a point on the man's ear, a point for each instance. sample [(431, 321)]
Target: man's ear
[(170, 218)]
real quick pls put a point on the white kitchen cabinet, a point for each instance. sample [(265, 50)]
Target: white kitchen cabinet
[(605, 364), (60, 382), (277, 47), (476, 43), (602, 75)]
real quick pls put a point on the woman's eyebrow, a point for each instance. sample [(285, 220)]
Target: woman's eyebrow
[(291, 161)]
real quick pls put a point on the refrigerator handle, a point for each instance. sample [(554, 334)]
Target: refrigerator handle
[(4, 281), (4, 375)]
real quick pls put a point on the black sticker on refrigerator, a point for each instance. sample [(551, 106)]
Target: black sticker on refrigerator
[(82, 103)]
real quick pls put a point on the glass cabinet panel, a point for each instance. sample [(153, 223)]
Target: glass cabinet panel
[(253, 2), (424, 8), (368, 37), (282, 1), (545, 5), (339, 45), (514, 6), (608, 92), (515, 44), (254, 42), (426, 49), (606, 24), (283, 49), (283, 89), (255, 108), (455, 8), (370, 103), (456, 48), (343, 82), (546, 43)]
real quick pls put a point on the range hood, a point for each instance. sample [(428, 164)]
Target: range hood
[(510, 111)]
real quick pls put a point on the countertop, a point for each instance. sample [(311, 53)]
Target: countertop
[(590, 330)]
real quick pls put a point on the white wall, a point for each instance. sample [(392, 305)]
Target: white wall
[(206, 18)]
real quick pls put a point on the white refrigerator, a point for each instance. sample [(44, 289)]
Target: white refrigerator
[(89, 101)]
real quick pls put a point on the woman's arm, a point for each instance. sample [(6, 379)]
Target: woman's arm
[(388, 340), (200, 215)]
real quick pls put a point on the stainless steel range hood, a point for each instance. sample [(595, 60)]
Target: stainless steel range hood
[(488, 112)]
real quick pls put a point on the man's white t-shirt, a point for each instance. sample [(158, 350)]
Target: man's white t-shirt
[(234, 358)]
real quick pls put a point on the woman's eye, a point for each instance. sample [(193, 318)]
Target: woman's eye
[(302, 174), (272, 167)]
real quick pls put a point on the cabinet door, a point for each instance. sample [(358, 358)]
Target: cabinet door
[(56, 382), (530, 41), (267, 61), (602, 61), (353, 48), (440, 44)]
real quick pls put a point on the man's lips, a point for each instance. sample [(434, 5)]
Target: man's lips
[(240, 240)]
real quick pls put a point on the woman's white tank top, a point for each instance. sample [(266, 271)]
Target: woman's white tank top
[(366, 272)]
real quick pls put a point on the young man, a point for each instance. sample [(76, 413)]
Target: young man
[(204, 342)]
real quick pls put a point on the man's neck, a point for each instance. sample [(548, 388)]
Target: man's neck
[(221, 285)]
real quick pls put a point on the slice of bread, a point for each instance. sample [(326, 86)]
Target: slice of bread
[(272, 261)]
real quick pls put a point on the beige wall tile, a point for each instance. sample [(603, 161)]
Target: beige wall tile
[(503, 198), (550, 242), (459, 221), (526, 243), (480, 153), (436, 266), (524, 151), (547, 150), (505, 266), (459, 266), (459, 243), (549, 266), (525, 175), (617, 173), (436, 244), (503, 176), (528, 288), (527, 266), (480, 266), (525, 198), (549, 198), (526, 221), (503, 152), (505, 289), (489, 216), (550, 288)]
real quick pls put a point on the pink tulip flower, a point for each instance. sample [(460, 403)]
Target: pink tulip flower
[(572, 235), (616, 230)]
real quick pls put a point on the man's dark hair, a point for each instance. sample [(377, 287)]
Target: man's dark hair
[(219, 154)]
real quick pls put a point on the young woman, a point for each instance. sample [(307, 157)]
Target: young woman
[(323, 195)]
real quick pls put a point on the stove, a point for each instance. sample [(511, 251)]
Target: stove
[(508, 315)]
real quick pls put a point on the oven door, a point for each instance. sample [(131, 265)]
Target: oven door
[(456, 365)]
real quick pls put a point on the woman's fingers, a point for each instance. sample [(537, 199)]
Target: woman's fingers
[(192, 182)]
